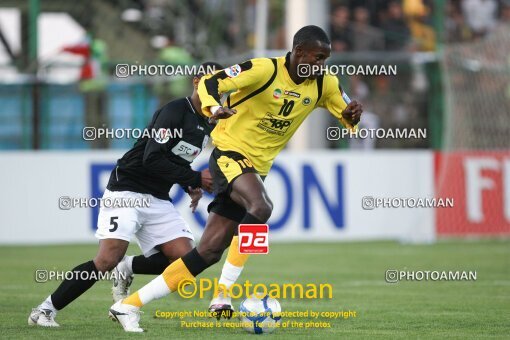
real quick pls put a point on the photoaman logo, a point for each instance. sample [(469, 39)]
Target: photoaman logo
[(253, 238)]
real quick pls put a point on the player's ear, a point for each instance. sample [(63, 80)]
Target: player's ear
[(299, 50)]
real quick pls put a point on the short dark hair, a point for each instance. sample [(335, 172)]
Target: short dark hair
[(308, 34), (205, 67)]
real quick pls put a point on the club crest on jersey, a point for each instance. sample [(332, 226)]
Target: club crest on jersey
[(233, 71), (307, 101), (277, 93), (162, 135)]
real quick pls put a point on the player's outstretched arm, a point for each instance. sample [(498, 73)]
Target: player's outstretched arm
[(251, 73), (336, 101)]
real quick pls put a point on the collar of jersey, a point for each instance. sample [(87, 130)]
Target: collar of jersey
[(286, 72)]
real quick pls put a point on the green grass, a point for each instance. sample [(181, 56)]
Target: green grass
[(356, 270)]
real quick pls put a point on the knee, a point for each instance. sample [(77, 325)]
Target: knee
[(104, 264), (211, 254), (261, 209)]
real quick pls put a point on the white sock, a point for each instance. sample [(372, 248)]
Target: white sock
[(48, 304), (229, 274), (156, 289), (126, 265)]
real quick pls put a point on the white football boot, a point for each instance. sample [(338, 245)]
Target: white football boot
[(128, 316), (42, 317), (221, 306)]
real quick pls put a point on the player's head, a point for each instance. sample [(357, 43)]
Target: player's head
[(310, 46), (203, 69)]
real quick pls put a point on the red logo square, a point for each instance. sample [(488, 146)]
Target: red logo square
[(253, 238)]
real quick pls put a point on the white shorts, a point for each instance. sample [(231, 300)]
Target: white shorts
[(152, 226)]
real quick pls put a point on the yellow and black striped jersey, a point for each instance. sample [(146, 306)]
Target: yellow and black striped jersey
[(270, 107)]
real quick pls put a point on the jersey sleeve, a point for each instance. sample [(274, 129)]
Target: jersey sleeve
[(335, 100), (155, 158), (250, 73)]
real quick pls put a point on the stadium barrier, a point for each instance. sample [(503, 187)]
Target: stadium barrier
[(317, 196)]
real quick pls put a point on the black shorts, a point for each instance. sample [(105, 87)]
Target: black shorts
[(225, 167)]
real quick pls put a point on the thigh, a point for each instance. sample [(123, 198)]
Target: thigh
[(117, 223), (161, 223), (248, 188)]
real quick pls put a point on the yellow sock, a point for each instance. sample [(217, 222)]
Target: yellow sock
[(175, 273), (133, 300), (161, 286), (233, 257)]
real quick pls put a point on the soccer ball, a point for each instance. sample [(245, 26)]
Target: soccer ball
[(260, 315)]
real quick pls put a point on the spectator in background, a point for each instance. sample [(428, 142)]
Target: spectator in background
[(395, 28), (418, 15), (364, 36), (456, 27), (340, 32), (481, 15)]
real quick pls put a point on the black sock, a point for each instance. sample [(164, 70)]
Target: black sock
[(154, 264), (69, 290), (250, 219), (194, 262)]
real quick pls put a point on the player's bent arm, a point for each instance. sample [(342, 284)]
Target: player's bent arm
[(250, 73), (335, 100), (158, 165)]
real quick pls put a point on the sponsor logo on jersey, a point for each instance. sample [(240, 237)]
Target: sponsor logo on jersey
[(292, 93), (200, 128), (277, 93), (274, 124), (233, 71), (186, 151), (307, 101)]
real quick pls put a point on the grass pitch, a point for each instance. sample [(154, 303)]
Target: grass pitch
[(411, 309)]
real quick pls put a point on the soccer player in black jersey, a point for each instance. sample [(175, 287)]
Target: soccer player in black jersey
[(178, 133)]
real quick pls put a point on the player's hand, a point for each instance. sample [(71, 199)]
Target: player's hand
[(352, 113), (222, 113), (196, 195), (207, 183)]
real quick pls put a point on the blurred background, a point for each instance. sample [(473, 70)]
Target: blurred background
[(57, 75)]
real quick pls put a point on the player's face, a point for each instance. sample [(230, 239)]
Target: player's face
[(314, 54)]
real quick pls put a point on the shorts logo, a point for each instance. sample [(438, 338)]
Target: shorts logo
[(277, 93), (233, 71), (292, 93), (253, 238), (307, 101), (272, 124)]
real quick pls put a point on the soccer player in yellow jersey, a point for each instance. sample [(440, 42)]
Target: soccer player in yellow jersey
[(272, 98)]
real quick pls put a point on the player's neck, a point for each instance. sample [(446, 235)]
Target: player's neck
[(293, 72), (197, 104)]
